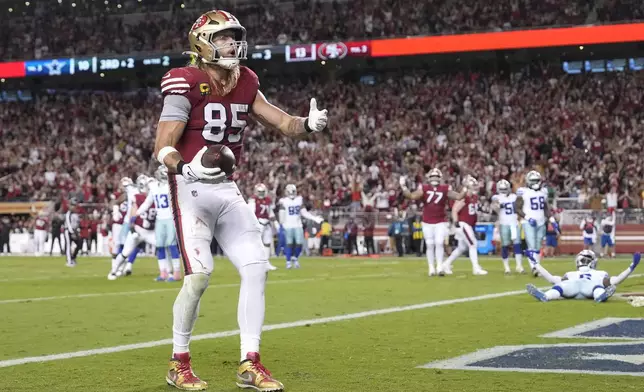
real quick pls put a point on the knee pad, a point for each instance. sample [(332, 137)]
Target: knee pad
[(196, 284)]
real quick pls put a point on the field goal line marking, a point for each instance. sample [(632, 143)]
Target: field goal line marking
[(272, 327)]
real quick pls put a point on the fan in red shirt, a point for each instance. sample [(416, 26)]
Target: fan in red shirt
[(40, 232), (464, 215), (435, 197), (85, 228)]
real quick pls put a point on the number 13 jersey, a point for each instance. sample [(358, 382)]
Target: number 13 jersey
[(212, 119), (435, 199)]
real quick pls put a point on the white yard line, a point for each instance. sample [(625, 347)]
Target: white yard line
[(218, 335), (319, 278), (51, 277)]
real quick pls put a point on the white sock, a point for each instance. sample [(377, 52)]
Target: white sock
[(440, 253), (116, 262), (536, 255), (251, 307), (186, 310), (128, 266), (552, 294), (519, 260), (430, 255), (474, 258), (506, 264), (268, 252), (598, 291), (455, 253), (176, 265)]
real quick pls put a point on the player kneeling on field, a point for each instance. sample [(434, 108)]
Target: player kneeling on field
[(585, 283)]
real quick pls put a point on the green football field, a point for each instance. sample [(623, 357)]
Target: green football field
[(334, 325)]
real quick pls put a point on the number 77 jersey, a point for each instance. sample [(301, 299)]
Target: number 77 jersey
[(210, 118), (435, 200)]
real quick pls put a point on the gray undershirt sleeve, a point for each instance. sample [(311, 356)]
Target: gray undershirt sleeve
[(175, 108)]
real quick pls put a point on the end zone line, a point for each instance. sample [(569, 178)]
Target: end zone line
[(273, 327)]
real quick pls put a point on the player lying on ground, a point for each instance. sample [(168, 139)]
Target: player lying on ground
[(585, 283)]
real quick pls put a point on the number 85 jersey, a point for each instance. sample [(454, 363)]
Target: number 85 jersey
[(189, 96)]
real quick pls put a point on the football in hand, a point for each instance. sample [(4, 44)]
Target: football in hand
[(219, 156)]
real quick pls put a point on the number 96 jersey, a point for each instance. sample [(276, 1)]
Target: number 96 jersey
[(210, 118)]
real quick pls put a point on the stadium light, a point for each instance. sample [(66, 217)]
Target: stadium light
[(27, 3), (118, 6)]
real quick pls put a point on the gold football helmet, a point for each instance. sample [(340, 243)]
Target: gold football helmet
[(202, 36)]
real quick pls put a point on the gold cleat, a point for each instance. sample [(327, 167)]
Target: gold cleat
[(253, 375), (181, 376)]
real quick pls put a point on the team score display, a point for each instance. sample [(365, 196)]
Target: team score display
[(431, 194), (294, 210), (537, 203), (217, 122), (162, 201)]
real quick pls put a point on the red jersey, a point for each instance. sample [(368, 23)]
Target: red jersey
[(213, 119), (117, 217), (146, 219), (263, 207), (467, 214), (93, 226), (435, 199), (85, 226), (41, 223)]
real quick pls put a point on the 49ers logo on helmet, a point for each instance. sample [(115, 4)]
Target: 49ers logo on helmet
[(200, 22)]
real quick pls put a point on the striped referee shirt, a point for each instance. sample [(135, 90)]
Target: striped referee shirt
[(72, 222)]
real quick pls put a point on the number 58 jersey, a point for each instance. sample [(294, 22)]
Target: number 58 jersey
[(210, 118), (534, 204)]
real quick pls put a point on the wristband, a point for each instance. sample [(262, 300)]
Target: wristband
[(164, 152), (180, 166), (306, 126)]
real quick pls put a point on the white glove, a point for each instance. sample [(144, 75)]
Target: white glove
[(195, 171), (317, 119)]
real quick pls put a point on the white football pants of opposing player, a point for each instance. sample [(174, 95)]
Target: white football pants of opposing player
[(40, 237), (203, 211), (267, 240), (132, 241), (467, 242), (434, 235)]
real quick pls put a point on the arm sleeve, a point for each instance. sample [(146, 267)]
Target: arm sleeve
[(146, 204), (175, 108), (621, 277), (547, 275), (306, 214)]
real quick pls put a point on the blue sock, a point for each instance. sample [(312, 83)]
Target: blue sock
[(505, 252), (298, 251), (528, 253), (174, 251), (517, 249), (132, 256), (288, 251), (119, 249), (161, 253)]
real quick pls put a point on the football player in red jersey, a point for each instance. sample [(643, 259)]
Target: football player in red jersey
[(209, 103), (435, 196), (40, 232), (263, 206), (464, 215)]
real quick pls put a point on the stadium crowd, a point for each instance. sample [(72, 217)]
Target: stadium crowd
[(66, 28), (584, 132)]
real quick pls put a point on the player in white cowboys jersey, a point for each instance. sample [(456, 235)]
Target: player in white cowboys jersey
[(585, 283), (291, 213), (158, 196), (121, 216), (504, 203), (532, 207)]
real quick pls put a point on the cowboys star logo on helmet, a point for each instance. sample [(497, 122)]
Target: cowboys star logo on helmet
[(202, 39)]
